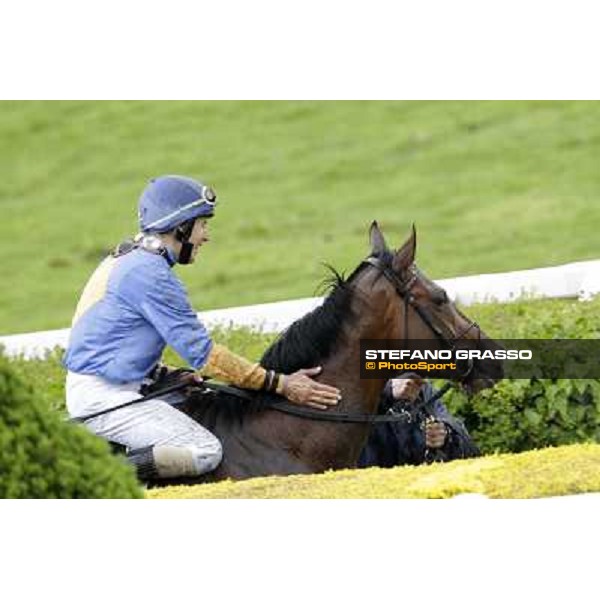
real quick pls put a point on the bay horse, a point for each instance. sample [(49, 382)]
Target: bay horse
[(382, 297)]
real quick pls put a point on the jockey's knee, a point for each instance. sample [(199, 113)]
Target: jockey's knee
[(165, 462), (187, 461), (208, 457)]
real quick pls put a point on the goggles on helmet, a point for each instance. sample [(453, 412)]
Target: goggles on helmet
[(208, 198)]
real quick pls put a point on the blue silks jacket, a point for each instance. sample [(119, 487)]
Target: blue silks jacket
[(393, 444), (139, 309)]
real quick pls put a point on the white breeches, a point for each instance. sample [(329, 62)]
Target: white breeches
[(149, 423)]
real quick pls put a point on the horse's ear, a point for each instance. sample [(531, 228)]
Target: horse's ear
[(405, 256), (378, 244)]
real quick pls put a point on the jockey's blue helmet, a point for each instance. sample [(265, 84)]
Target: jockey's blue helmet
[(170, 200)]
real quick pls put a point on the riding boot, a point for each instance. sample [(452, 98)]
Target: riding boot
[(143, 461), (164, 462)]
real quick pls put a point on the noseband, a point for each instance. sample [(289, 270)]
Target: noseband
[(403, 289)]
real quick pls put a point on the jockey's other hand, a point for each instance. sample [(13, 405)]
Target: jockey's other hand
[(300, 388), (188, 376), (193, 379)]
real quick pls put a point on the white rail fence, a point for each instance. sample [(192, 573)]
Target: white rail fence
[(574, 280)]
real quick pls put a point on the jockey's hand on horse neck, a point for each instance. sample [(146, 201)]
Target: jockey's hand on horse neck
[(300, 388)]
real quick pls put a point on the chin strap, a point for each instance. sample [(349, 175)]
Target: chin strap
[(182, 234), (185, 254)]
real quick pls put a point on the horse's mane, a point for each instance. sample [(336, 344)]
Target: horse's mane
[(305, 343), (311, 339)]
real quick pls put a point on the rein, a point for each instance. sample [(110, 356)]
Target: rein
[(391, 417), (278, 404), (286, 407)]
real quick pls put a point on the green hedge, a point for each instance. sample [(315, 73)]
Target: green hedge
[(522, 414), (43, 456), (525, 414), (515, 415)]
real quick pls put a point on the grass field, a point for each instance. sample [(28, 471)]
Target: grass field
[(492, 186)]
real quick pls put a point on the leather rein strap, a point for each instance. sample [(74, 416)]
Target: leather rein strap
[(282, 405), (390, 417)]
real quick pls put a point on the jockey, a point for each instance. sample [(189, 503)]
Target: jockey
[(131, 308)]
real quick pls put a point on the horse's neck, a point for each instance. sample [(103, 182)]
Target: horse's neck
[(342, 369), (339, 445)]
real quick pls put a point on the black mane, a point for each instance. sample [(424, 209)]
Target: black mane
[(311, 339)]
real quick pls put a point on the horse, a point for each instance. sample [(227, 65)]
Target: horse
[(385, 297)]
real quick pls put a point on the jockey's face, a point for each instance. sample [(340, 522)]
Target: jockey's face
[(199, 235)]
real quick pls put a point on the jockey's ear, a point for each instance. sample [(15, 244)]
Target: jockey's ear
[(378, 244), (405, 256)]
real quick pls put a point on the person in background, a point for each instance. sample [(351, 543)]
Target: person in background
[(428, 432)]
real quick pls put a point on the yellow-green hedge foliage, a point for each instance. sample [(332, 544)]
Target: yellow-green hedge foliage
[(538, 473)]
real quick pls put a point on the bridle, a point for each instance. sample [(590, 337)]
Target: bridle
[(403, 289)]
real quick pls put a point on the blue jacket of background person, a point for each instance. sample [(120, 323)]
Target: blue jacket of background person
[(393, 444)]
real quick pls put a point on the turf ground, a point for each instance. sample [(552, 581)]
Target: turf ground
[(492, 186)]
